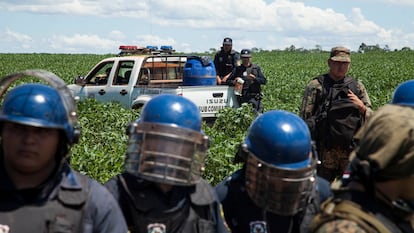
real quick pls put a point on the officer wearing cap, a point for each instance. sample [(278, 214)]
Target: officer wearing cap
[(225, 61), (379, 194), (334, 150), (252, 78)]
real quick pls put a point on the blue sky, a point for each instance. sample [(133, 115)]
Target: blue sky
[(100, 26)]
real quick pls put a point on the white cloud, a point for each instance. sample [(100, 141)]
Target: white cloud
[(47, 7), (103, 8), (280, 15), (9, 36), (117, 35), (400, 2), (16, 40), (253, 23), (154, 40), (81, 43)]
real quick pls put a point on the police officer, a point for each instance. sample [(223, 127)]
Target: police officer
[(403, 94), (277, 189), (225, 61), (252, 79), (39, 191), (161, 189), (379, 192)]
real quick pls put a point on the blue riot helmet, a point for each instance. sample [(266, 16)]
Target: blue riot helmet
[(39, 105), (166, 144), (172, 110), (280, 165), (404, 94), (36, 105)]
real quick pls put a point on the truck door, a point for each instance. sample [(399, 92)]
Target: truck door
[(122, 83)]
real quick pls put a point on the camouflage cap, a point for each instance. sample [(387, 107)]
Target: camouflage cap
[(341, 54), (386, 141)]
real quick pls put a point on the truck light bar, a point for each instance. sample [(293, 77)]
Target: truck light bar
[(133, 49)]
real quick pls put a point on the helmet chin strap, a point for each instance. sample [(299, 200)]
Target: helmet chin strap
[(400, 208), (55, 82), (363, 172)]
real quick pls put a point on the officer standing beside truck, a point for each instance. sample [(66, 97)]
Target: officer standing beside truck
[(250, 78), (225, 61)]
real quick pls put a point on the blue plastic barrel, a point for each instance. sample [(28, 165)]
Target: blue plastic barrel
[(199, 71)]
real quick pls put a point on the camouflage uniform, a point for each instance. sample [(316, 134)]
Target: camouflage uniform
[(341, 226), (358, 211), (384, 154), (334, 161)]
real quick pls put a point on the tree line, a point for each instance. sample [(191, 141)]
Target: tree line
[(363, 48)]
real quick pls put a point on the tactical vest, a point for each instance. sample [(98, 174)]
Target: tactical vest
[(239, 210), (225, 62), (253, 69), (63, 214), (192, 215), (337, 118), (334, 209)]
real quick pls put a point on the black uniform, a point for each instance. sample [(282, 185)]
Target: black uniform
[(66, 202), (243, 216), (251, 88), (182, 210), (225, 62)]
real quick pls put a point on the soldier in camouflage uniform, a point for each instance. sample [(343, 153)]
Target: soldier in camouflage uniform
[(334, 160), (379, 192)]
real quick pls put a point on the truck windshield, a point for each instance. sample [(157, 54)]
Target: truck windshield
[(100, 75)]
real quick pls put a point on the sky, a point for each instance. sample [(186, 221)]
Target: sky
[(101, 26)]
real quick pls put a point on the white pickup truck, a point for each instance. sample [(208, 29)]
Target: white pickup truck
[(133, 80)]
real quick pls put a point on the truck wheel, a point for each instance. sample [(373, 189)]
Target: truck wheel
[(210, 121), (138, 107)]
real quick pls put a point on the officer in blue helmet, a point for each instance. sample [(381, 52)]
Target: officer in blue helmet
[(277, 189), (404, 94), (39, 191), (162, 189)]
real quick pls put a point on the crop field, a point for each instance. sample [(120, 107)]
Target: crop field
[(100, 152)]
